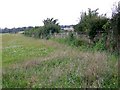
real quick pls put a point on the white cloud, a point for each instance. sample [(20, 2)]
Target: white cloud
[(17, 13)]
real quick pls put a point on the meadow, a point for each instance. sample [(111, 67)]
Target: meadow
[(37, 63), (0, 61)]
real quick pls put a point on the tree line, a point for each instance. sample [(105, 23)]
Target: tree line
[(102, 31)]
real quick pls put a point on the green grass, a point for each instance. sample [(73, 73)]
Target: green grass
[(0, 61), (17, 48), (29, 62)]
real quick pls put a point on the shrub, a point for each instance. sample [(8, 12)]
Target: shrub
[(50, 26), (101, 43)]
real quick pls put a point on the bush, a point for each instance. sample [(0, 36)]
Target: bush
[(91, 23), (50, 26), (73, 41), (101, 43)]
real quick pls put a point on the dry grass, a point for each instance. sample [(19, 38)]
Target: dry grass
[(61, 67), (91, 66), (0, 61)]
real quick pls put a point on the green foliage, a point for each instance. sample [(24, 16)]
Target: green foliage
[(85, 20), (101, 44), (29, 32), (71, 40), (50, 26), (97, 27), (115, 24), (66, 67), (110, 81), (91, 23), (107, 26)]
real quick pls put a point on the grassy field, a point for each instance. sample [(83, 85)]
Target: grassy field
[(35, 63), (0, 61)]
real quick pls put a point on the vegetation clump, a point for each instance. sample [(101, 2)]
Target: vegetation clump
[(50, 27), (88, 59)]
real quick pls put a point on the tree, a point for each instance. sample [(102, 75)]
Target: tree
[(51, 25), (91, 23), (50, 21), (115, 21)]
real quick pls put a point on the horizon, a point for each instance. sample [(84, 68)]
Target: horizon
[(25, 13)]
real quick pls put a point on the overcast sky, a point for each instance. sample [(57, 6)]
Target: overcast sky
[(18, 13)]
